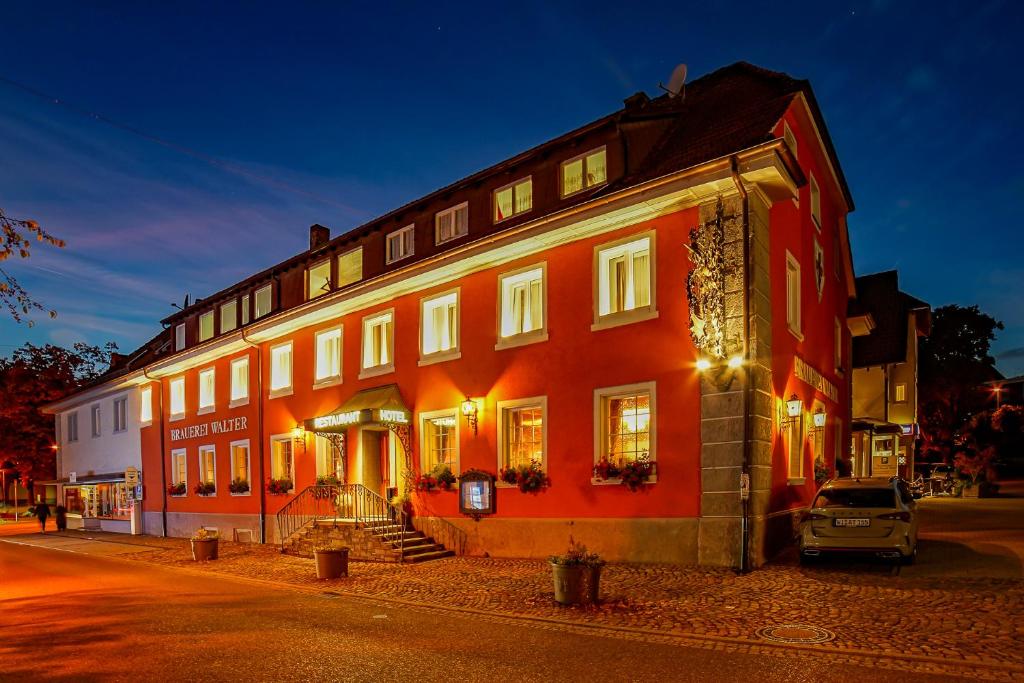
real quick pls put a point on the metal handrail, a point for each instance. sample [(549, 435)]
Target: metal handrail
[(443, 532), (364, 507)]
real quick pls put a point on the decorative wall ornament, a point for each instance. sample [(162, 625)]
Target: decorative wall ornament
[(705, 285)]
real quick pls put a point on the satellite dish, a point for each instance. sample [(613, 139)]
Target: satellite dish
[(676, 82)]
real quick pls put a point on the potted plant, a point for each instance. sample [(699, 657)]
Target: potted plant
[(328, 480), (529, 478), (238, 486), (205, 488), (279, 487), (606, 469), (576, 574), (636, 473), (403, 501), (976, 468), (331, 560), (204, 545), (821, 473), (179, 489)]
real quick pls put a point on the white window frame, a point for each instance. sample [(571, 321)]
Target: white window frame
[(203, 406), (815, 191), (375, 370), (96, 420), (513, 404), (319, 381), (455, 413), (522, 338), (636, 314), (207, 448), (358, 251), (446, 354), (245, 309), (514, 186), (583, 185), (183, 454), (897, 386), (603, 393), (248, 465), (240, 400), (794, 296), (309, 279), (72, 423), (179, 337), (203, 318), (790, 139), (269, 290), (389, 256), (146, 406), (453, 211), (232, 320), (177, 382), (291, 475), (277, 392), (120, 415)]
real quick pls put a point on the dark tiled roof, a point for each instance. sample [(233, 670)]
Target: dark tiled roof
[(879, 294)]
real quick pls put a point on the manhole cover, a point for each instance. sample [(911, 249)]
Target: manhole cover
[(796, 633)]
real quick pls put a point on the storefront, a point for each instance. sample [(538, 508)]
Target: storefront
[(106, 501)]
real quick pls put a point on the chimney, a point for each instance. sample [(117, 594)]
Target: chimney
[(117, 360), (318, 236)]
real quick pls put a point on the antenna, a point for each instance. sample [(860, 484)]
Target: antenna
[(181, 308), (676, 82)]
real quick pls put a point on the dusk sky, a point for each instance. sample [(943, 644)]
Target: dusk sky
[(255, 120)]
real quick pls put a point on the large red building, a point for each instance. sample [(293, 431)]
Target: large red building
[(660, 294)]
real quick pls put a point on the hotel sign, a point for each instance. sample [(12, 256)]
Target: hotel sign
[(235, 424), (809, 375), (340, 421)]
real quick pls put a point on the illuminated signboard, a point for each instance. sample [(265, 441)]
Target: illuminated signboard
[(393, 416), (476, 494), (337, 419)]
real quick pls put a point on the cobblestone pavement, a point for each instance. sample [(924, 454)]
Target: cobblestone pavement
[(930, 624)]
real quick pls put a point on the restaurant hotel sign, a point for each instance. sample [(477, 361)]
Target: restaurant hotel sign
[(219, 427), (806, 373), (339, 421)]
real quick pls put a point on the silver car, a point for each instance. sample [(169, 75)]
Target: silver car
[(874, 516)]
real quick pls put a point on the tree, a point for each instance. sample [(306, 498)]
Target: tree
[(954, 362), (16, 238), (32, 377)]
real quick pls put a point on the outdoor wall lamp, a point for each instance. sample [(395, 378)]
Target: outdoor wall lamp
[(819, 419), (469, 410), (794, 407), (299, 436), (716, 370)]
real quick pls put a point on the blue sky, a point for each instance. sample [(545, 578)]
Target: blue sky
[(330, 113)]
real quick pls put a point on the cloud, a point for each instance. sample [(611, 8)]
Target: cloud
[(1011, 354)]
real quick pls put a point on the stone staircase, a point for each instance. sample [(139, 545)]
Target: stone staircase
[(383, 543)]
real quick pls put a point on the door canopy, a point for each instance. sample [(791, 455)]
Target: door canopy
[(380, 405)]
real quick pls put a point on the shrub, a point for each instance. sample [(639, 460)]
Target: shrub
[(205, 488), (279, 487), (238, 486), (178, 489)]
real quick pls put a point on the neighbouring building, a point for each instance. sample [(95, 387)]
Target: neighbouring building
[(659, 294), (886, 325)]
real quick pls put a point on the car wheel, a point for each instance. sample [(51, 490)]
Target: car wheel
[(806, 560), (909, 559)]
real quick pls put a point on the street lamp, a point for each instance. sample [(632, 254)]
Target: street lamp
[(997, 389)]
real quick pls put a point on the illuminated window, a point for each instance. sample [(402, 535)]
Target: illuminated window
[(439, 322), (451, 223), (206, 326), (815, 203), (513, 199), (328, 357), (900, 392), (96, 425), (72, 427), (239, 382), (281, 369), (522, 304), (177, 398), (378, 343), (789, 138), (584, 171), (240, 464), (229, 316), (521, 429), (245, 309), (626, 417), (179, 337), (793, 309), (401, 243), (328, 458), (146, 405), (282, 464), (318, 279), (207, 380), (179, 469), (208, 467), (120, 414), (440, 440), (624, 280), (350, 267), (263, 301)]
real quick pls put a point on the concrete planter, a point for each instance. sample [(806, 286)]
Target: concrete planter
[(204, 549), (971, 491), (570, 582), (331, 564)]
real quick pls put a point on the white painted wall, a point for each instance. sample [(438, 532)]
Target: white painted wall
[(110, 451)]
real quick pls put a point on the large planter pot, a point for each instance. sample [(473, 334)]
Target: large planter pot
[(569, 580), (331, 564), (971, 491), (204, 549), (594, 583)]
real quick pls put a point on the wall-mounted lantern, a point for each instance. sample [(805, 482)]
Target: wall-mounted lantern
[(819, 419), (469, 410), (794, 409), (299, 436)]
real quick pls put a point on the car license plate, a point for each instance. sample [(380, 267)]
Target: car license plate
[(852, 521)]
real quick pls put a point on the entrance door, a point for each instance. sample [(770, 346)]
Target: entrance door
[(370, 470), (883, 457)]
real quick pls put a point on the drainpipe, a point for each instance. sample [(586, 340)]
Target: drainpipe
[(745, 503), (259, 435), (163, 455)]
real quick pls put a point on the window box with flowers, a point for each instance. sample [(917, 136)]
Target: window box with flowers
[(238, 487), (528, 478), (206, 488), (279, 487), (632, 474), (440, 477), (179, 489)]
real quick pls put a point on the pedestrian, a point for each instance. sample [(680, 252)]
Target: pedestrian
[(42, 512), (62, 517)]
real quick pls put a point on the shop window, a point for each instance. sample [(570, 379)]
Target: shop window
[(451, 223), (100, 501), (900, 392), (281, 370), (207, 380), (626, 416), (523, 437), (513, 199), (584, 171), (350, 267), (378, 343), (72, 427), (328, 357), (624, 281), (179, 337), (146, 405), (318, 281), (120, 414), (440, 440), (522, 306), (815, 202), (96, 425), (282, 465), (239, 382), (439, 325), (264, 301), (245, 309), (206, 326), (179, 471), (208, 469), (240, 478), (177, 390), (400, 244), (793, 308)]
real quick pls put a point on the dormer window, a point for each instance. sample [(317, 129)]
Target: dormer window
[(513, 199), (179, 336), (401, 243), (206, 326), (451, 223), (319, 279), (584, 171), (263, 301), (350, 267)]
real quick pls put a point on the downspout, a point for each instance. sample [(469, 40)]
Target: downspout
[(745, 502), (259, 435), (163, 455)]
